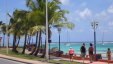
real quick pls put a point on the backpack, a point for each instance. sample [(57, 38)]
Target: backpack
[(83, 49), (91, 49)]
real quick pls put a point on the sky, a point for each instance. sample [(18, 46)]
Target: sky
[(81, 13)]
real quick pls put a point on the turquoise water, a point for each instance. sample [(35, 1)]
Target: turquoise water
[(100, 48)]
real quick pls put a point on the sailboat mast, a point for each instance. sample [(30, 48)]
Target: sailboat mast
[(103, 38)]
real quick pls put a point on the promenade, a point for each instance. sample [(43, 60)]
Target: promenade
[(25, 61), (85, 61)]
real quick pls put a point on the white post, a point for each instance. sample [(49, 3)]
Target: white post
[(7, 27), (47, 56)]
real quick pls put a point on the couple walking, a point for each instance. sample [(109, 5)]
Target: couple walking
[(83, 52)]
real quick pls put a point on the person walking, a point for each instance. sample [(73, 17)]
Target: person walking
[(108, 54), (90, 50), (83, 51), (71, 52)]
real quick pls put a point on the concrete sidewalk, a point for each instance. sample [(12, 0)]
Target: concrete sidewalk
[(88, 62), (81, 61), (22, 60), (39, 62)]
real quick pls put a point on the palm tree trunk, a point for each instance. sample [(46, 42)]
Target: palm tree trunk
[(35, 44), (49, 36), (29, 39), (44, 50), (23, 52), (18, 42), (8, 39), (14, 42), (3, 40), (41, 44), (37, 51)]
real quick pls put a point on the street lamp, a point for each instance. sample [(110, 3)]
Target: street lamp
[(47, 56), (7, 47), (59, 31), (94, 26)]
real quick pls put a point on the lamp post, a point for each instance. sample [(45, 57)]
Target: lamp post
[(47, 56), (94, 26), (7, 46), (59, 31)]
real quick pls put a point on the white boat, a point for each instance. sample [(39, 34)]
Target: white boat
[(67, 44)]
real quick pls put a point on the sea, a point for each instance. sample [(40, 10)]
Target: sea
[(101, 48)]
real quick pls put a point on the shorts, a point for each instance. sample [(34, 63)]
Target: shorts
[(71, 55), (90, 53), (83, 55)]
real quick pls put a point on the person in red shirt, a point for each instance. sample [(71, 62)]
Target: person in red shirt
[(90, 50), (71, 52)]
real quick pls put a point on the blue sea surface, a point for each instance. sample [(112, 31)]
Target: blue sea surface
[(100, 48)]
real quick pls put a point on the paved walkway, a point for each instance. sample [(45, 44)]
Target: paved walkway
[(39, 62), (6, 61), (22, 60), (86, 61)]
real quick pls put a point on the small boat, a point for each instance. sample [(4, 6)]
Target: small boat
[(67, 44), (102, 43), (103, 39)]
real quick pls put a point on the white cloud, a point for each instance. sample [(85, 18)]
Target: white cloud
[(102, 14), (83, 4), (80, 14), (85, 13), (81, 30), (105, 31), (110, 9), (23, 2), (65, 2), (110, 23), (106, 15)]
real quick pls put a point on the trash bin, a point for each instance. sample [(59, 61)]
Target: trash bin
[(97, 57), (59, 53)]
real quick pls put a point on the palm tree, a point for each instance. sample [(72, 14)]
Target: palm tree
[(36, 16), (18, 19), (56, 14), (3, 29), (1, 26)]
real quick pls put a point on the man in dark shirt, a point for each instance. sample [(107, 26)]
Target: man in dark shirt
[(83, 51)]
